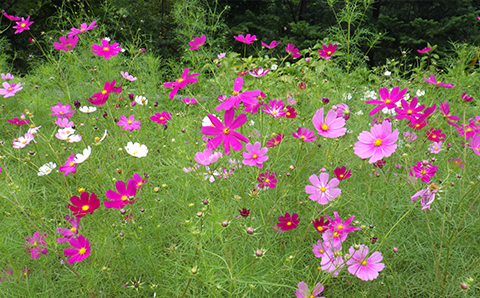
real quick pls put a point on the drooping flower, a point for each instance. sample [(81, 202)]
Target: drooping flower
[(304, 292), (267, 179), (435, 135), (275, 108), (432, 80), (409, 110), (248, 97), (288, 222), (248, 39), (275, 141), (66, 44), (100, 98), (46, 168), (81, 157), (291, 49), (435, 148), (21, 142), (332, 127), (11, 17), (320, 225), (70, 166), (62, 111), (389, 99), (69, 233), (257, 73), (456, 162), (363, 267), (207, 157), (81, 250), (378, 143), (137, 149), (305, 134), (161, 118), (10, 89), (17, 121), (36, 244), (105, 49), (22, 25), (127, 76), (424, 50), (123, 196), (327, 51), (343, 111), (225, 132), (181, 82), (466, 97), (423, 170), (83, 28), (427, 196), (129, 123), (7, 76), (255, 156), (84, 205), (244, 212), (322, 190), (445, 110), (197, 42), (342, 173), (189, 101), (272, 45)]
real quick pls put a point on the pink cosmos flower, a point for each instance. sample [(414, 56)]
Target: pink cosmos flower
[(21, 142), (332, 261), (64, 122), (435, 148), (378, 143), (342, 111), (332, 127), (272, 45), (432, 80), (275, 108), (246, 39), (17, 121), (257, 73), (275, 141), (83, 28), (139, 181), (69, 233), (427, 196), (388, 99), (105, 49), (128, 77), (423, 170), (100, 98), (197, 42), (288, 222), (475, 145), (466, 97), (320, 248), (255, 156), (425, 50), (267, 179), (161, 118), (7, 76), (10, 89), (66, 44), (339, 230), (69, 167), (342, 173), (189, 101), (304, 292), (248, 97), (363, 268), (81, 250), (11, 17), (290, 49), (468, 130), (221, 55), (225, 132), (22, 25), (457, 162), (181, 83), (207, 157), (36, 244), (123, 195), (409, 110), (252, 108), (62, 111), (445, 110), (304, 134), (129, 123), (302, 86), (327, 51), (322, 190)]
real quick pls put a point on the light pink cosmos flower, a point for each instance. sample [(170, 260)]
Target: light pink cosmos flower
[(225, 132), (10, 89), (197, 42), (207, 157), (181, 83), (246, 39), (258, 72), (255, 156), (21, 142), (435, 148), (342, 110), (378, 143), (62, 111), (70, 166), (475, 145), (424, 50), (189, 101), (129, 123), (432, 80), (389, 99), (7, 76), (320, 248), (100, 98), (272, 45), (409, 110), (291, 49), (11, 17), (69, 233), (276, 108), (128, 77), (248, 97), (105, 49), (64, 122), (221, 55), (427, 196), (36, 244), (22, 25), (83, 28), (304, 134), (66, 44), (123, 195), (363, 267), (322, 190), (332, 261), (304, 292), (332, 127), (81, 250), (327, 51)]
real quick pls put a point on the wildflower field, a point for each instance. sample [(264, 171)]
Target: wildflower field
[(225, 174)]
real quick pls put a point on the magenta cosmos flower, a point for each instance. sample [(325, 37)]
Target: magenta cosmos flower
[(161, 118), (466, 97), (272, 45), (332, 127), (424, 50), (304, 292), (10, 89), (363, 267), (207, 157), (139, 181), (66, 44), (260, 72), (100, 98), (197, 42), (320, 226), (62, 111), (304, 134), (17, 121), (388, 99), (69, 233), (80, 251), (22, 25), (36, 244), (129, 123), (189, 101), (83, 28), (378, 143), (427, 196), (267, 179), (435, 135), (249, 98), (275, 108), (445, 110), (225, 132), (105, 49), (181, 83), (84, 205), (432, 80), (11, 17), (291, 49), (246, 39), (322, 190), (423, 170), (123, 195), (467, 130), (275, 141), (342, 173), (338, 230), (70, 166), (288, 222), (255, 156), (327, 51), (409, 110)]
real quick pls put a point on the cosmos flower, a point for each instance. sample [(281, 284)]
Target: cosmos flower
[(128, 77), (331, 127), (409, 110), (304, 134), (11, 17), (83, 28), (207, 157), (275, 141), (288, 222), (275, 108), (22, 25), (137, 149), (342, 173), (321, 225), (197, 42), (363, 267), (129, 123), (272, 45), (475, 145), (46, 169), (378, 143), (248, 39), (123, 196), (432, 80), (322, 190), (105, 49), (17, 121), (304, 292), (10, 89), (291, 49), (80, 251), (327, 51), (69, 233), (389, 99), (66, 44), (260, 72), (181, 82), (255, 155), (424, 50), (267, 179), (248, 97), (427, 196), (36, 244), (423, 170), (101, 97), (161, 118), (84, 205)]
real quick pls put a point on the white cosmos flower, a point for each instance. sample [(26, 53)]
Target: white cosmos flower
[(87, 110), (420, 93), (141, 100), (137, 149), (74, 138), (79, 158), (387, 73), (46, 168)]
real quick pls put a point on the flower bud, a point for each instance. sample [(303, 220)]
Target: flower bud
[(259, 252), (250, 230), (224, 223)]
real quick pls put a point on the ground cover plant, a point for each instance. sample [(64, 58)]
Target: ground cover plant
[(231, 175)]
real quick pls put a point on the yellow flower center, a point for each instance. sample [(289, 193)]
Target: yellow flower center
[(324, 127), (235, 93), (387, 101), (417, 125), (124, 198), (340, 227), (226, 130), (10, 89), (60, 112), (320, 228), (321, 251), (438, 82), (129, 122), (83, 29), (104, 91), (289, 223), (71, 164), (135, 153), (303, 137), (323, 189), (82, 251), (73, 230), (161, 118), (180, 80), (35, 243), (364, 263), (409, 112), (85, 207), (267, 180), (336, 235), (423, 172), (288, 113), (469, 129), (329, 52), (341, 175), (23, 25), (254, 156), (377, 142), (434, 136), (105, 48), (274, 113), (141, 183), (24, 141)]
